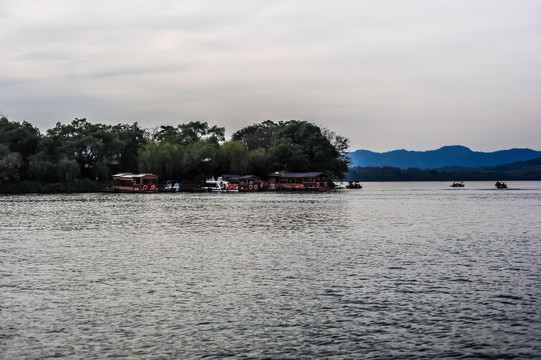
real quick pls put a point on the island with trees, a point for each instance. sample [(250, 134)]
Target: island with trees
[(82, 156)]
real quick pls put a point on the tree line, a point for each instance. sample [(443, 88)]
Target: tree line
[(83, 156), (525, 170)]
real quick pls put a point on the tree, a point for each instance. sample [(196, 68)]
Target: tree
[(258, 163), (88, 144), (43, 168), (296, 146), (202, 159), (258, 135), (288, 156), (234, 156), (199, 144), (340, 143), (164, 159), (189, 133), (300, 146), (10, 163), (133, 139), (21, 139), (68, 170)]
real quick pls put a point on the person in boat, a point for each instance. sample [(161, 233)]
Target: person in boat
[(501, 185)]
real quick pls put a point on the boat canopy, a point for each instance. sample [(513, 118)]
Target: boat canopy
[(133, 176), (237, 178), (296, 175)]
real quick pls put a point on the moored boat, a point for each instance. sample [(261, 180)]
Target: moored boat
[(338, 185), (315, 181), (171, 186), (246, 183), (135, 183), (354, 185), (457, 184), (219, 185)]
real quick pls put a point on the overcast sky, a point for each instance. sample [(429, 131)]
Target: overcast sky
[(417, 74)]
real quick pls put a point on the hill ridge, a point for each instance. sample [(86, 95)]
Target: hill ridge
[(446, 156)]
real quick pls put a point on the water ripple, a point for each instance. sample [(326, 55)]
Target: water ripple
[(405, 271)]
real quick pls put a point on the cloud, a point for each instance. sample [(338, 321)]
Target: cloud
[(387, 74)]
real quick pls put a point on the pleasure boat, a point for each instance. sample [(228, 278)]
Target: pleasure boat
[(171, 186), (219, 185)]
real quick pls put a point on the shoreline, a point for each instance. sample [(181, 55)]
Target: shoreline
[(63, 188)]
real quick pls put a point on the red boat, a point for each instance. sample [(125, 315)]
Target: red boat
[(246, 183), (135, 183), (315, 181)]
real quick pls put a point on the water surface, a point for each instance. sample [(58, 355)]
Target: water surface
[(395, 270)]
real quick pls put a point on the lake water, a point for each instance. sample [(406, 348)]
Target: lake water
[(395, 270)]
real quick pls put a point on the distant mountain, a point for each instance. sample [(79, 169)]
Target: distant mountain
[(447, 156)]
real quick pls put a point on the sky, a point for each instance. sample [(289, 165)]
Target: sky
[(414, 75)]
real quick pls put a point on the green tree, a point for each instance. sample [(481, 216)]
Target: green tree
[(258, 135), (301, 146), (68, 171), (258, 163), (189, 133), (202, 159), (88, 144), (339, 142), (234, 156), (196, 131), (42, 168), (296, 146), (10, 163), (164, 159), (132, 138), (21, 139), (286, 155)]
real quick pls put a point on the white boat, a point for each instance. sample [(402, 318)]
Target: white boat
[(219, 185), (172, 186), (339, 185), (354, 185)]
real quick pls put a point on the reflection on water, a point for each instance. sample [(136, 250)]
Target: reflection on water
[(412, 270)]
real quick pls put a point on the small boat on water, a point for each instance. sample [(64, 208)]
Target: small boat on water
[(501, 185), (338, 185), (457, 184), (171, 186), (354, 185)]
